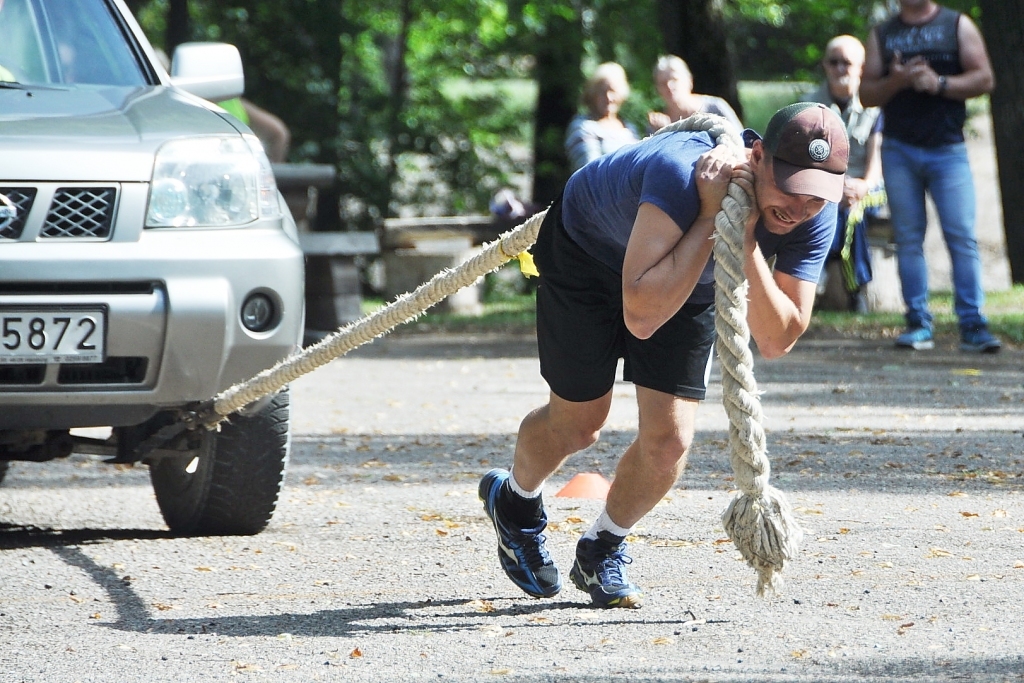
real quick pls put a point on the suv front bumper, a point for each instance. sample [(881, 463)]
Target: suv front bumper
[(174, 331)]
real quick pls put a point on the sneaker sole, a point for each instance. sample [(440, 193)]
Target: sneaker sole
[(917, 346), (971, 348), (629, 601)]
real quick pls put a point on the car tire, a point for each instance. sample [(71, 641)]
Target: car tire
[(233, 486)]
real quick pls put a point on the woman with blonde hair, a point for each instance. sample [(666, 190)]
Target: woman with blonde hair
[(600, 130), (674, 82)]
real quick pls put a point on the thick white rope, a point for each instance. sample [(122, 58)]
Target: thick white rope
[(403, 309), (758, 520)]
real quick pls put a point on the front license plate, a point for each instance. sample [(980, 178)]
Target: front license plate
[(64, 335)]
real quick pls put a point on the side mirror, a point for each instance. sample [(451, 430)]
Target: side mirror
[(212, 71)]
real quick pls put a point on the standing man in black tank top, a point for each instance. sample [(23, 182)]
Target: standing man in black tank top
[(921, 66)]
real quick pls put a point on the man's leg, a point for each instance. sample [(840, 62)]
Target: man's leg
[(906, 192), (952, 188), (647, 471), (653, 462), (547, 436)]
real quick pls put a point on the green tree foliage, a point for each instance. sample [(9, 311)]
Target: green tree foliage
[(429, 107), (776, 40)]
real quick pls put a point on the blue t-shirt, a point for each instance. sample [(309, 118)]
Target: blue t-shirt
[(601, 201)]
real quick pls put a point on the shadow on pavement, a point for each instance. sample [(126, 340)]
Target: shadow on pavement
[(905, 462), (15, 536)]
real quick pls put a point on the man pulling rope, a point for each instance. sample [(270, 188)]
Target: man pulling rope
[(626, 272), (662, 308)]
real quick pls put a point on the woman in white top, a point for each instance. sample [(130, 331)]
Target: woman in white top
[(600, 130)]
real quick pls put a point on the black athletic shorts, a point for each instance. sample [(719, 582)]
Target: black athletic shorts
[(581, 333)]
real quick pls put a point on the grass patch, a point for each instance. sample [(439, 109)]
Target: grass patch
[(761, 99), (514, 314), (1004, 310)]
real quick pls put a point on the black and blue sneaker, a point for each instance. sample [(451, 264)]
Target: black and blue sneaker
[(521, 551), (600, 569), (977, 339)]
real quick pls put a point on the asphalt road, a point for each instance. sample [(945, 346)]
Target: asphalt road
[(905, 471)]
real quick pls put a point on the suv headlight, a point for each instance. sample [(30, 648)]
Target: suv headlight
[(211, 182)]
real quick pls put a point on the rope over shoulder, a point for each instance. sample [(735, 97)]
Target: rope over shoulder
[(758, 521)]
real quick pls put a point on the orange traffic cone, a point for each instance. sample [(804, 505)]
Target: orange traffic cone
[(586, 485)]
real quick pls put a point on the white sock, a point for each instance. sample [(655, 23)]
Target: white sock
[(519, 490), (605, 523)]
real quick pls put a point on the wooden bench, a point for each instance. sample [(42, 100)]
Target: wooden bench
[(333, 288), (300, 185), (416, 249)]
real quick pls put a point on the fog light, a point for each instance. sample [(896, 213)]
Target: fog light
[(257, 312)]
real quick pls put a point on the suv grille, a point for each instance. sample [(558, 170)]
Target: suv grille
[(114, 370), (80, 212), (22, 198)]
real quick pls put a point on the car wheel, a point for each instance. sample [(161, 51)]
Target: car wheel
[(229, 485)]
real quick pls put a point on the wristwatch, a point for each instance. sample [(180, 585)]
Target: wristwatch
[(942, 85)]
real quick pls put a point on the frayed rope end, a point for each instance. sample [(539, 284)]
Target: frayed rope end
[(764, 531)]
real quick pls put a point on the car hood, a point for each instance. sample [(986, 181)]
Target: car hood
[(96, 134)]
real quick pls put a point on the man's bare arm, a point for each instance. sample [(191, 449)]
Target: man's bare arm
[(662, 263), (661, 268), (977, 78), (779, 308)]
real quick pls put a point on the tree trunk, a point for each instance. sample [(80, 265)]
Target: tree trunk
[(695, 30), (559, 80), (1002, 23), (178, 30)]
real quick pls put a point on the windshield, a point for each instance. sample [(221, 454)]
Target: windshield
[(50, 42)]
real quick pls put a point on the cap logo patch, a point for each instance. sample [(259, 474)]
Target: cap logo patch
[(819, 150)]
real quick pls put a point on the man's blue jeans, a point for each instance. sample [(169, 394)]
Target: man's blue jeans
[(944, 173)]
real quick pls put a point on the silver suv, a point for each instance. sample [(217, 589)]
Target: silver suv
[(147, 262)]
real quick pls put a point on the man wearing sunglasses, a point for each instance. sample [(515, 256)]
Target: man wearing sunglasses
[(863, 194)]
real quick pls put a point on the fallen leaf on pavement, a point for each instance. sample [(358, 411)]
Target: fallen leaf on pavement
[(482, 605), (671, 543)]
